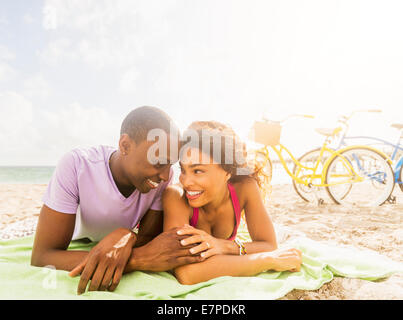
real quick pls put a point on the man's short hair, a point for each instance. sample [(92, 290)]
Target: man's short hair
[(140, 121)]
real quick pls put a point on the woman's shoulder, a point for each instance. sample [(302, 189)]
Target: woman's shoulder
[(174, 201), (174, 193), (245, 184), (245, 187)]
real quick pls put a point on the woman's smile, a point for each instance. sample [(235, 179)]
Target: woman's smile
[(193, 195)]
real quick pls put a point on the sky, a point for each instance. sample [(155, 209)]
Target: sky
[(70, 71)]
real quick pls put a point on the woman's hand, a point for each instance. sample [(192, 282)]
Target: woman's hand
[(206, 244), (286, 260), (105, 263)]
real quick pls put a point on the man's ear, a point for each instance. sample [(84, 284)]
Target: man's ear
[(126, 144)]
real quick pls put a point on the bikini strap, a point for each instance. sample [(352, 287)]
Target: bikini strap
[(237, 209), (195, 217)]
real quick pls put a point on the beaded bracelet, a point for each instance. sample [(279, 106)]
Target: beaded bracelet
[(242, 249)]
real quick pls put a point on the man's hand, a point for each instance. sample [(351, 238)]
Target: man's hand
[(163, 253), (105, 262)]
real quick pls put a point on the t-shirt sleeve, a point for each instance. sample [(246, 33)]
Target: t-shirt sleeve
[(157, 202), (62, 191)]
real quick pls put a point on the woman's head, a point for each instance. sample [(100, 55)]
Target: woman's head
[(211, 156)]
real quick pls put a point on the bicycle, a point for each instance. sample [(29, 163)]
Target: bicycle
[(351, 165), (309, 194)]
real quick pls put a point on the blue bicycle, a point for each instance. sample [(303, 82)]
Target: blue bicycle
[(340, 140)]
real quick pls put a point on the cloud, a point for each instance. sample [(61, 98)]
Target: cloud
[(6, 54), (223, 60), (128, 81), (28, 18), (105, 33), (49, 21), (17, 130), (7, 72), (58, 51), (17, 112), (30, 135), (36, 87), (77, 125)]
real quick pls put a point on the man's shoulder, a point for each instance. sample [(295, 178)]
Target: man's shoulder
[(94, 154), (81, 157)]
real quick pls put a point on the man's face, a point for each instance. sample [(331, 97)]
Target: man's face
[(146, 166)]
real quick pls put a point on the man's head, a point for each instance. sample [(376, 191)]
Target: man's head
[(142, 169)]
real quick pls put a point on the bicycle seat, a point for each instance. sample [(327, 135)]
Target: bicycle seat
[(328, 131), (398, 126)]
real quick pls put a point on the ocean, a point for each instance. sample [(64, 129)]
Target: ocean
[(42, 175), (28, 175)]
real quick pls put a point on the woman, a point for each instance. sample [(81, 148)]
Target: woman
[(210, 201)]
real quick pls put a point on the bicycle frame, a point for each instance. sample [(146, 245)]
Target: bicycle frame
[(308, 180), (313, 175), (396, 148)]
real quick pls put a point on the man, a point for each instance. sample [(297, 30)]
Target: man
[(101, 194)]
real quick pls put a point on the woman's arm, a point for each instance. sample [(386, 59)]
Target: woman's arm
[(259, 223), (239, 266), (176, 213)]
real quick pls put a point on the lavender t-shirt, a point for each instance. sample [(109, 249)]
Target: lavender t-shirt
[(82, 184)]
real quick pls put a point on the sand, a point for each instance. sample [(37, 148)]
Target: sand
[(379, 229)]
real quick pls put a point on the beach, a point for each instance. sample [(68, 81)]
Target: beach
[(378, 229)]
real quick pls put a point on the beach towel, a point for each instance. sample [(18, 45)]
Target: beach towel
[(321, 263)]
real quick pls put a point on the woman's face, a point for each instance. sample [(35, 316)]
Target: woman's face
[(202, 179)]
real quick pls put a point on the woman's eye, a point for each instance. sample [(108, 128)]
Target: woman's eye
[(198, 171)]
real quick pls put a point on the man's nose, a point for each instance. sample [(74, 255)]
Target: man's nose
[(164, 175)]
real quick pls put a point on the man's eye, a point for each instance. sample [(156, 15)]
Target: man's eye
[(198, 171)]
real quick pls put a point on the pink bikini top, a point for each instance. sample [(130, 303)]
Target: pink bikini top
[(237, 209)]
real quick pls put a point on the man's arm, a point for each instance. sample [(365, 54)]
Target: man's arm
[(52, 238), (54, 233), (150, 227), (156, 250)]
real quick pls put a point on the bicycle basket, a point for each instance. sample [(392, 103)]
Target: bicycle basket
[(266, 132)]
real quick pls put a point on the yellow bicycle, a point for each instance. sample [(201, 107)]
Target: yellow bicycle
[(354, 175)]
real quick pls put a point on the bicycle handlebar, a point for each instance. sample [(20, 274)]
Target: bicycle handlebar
[(291, 116), (369, 110), (345, 118)]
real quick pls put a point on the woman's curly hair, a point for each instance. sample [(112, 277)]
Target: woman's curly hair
[(230, 147)]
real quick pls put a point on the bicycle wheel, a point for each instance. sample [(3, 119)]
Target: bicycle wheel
[(359, 176), (309, 193)]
